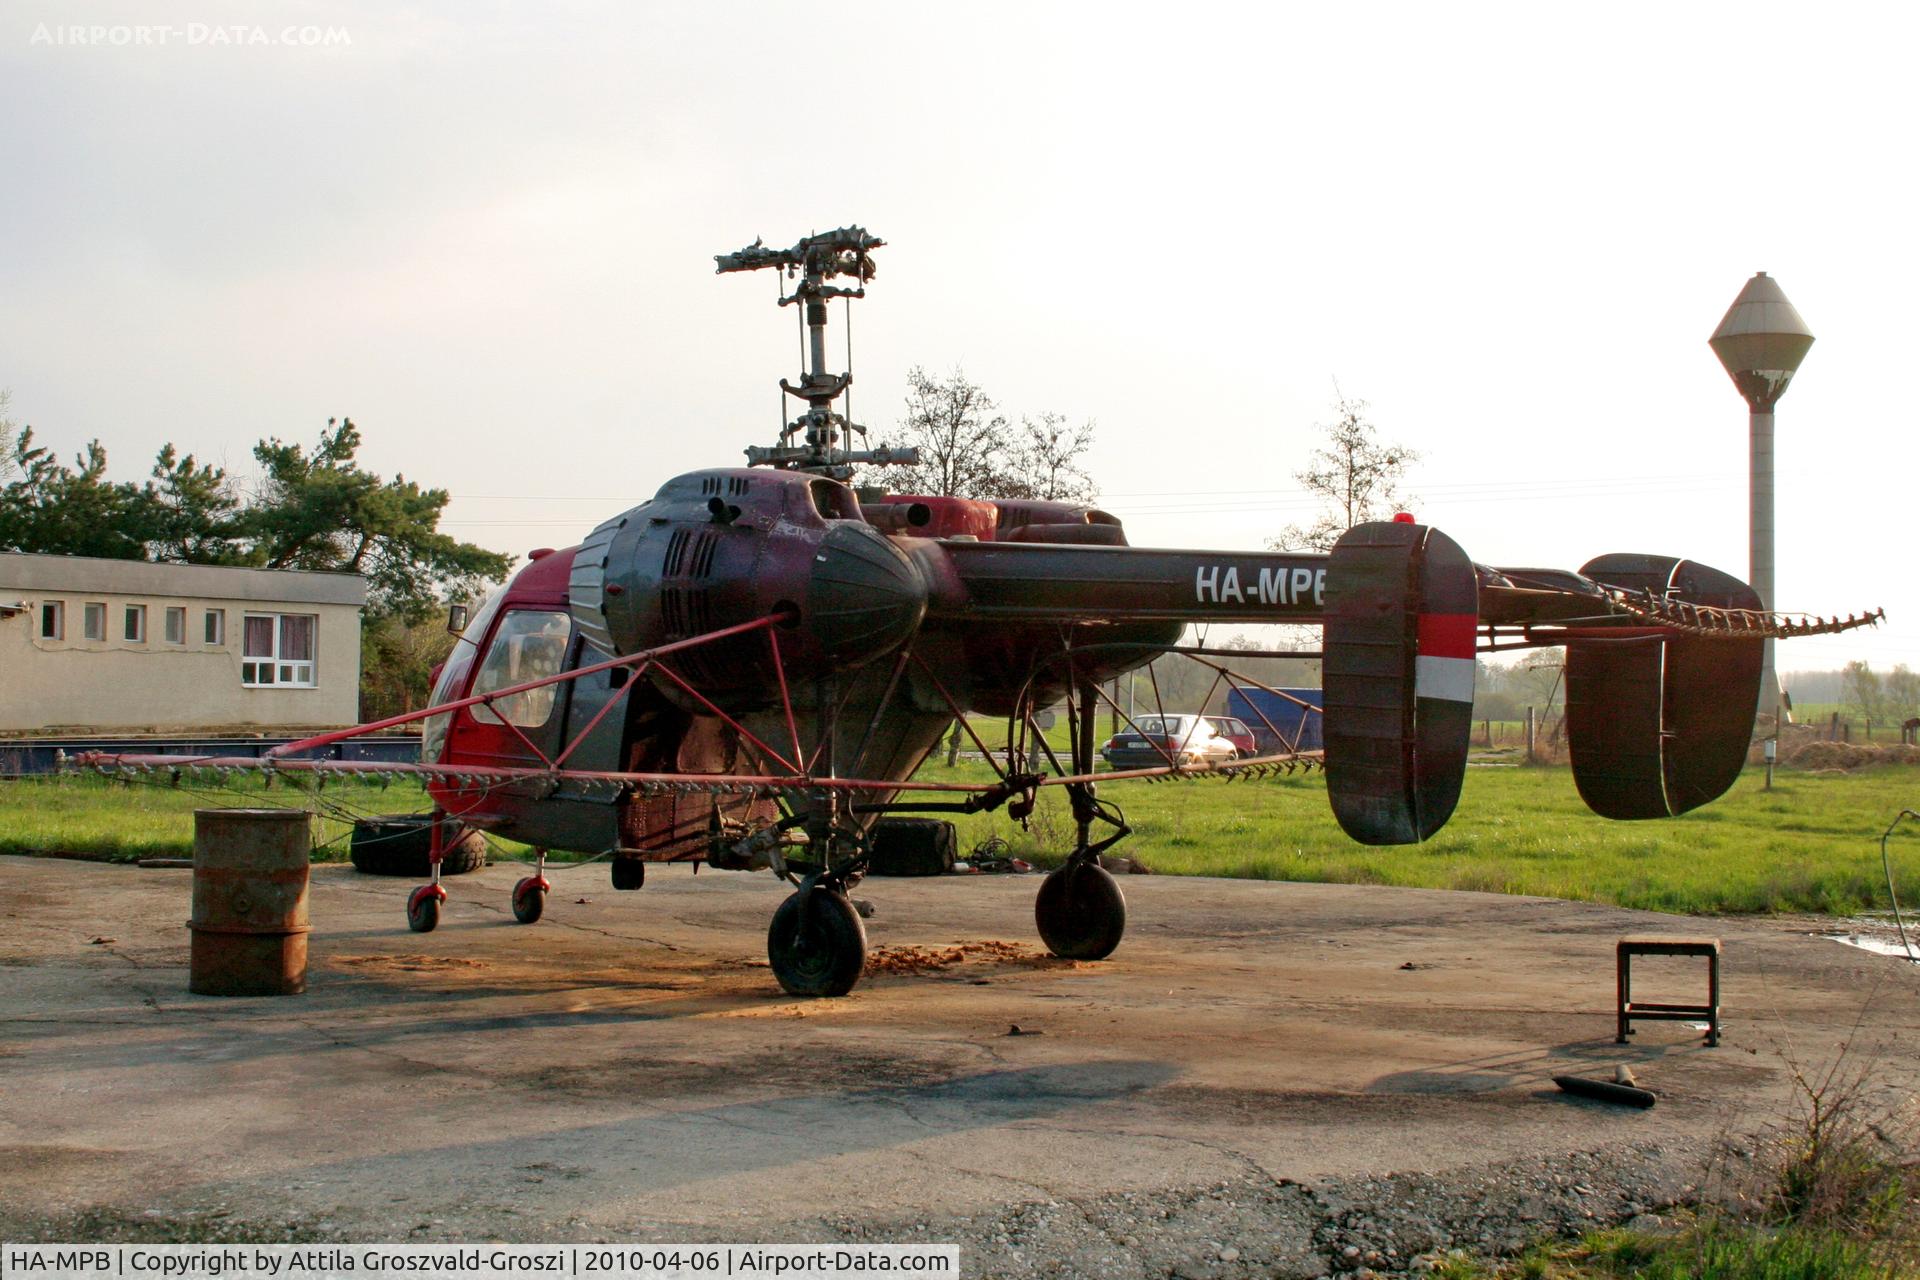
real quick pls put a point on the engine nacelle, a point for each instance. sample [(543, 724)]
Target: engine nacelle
[(718, 548)]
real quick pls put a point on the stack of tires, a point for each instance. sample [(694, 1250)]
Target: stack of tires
[(398, 844)]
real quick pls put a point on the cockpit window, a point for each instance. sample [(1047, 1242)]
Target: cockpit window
[(453, 675), (530, 645), (834, 501)]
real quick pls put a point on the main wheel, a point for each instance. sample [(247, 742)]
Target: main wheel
[(629, 873), (529, 900), (816, 944), (1081, 912), (423, 909)]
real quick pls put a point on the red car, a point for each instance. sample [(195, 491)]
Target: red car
[(1236, 732)]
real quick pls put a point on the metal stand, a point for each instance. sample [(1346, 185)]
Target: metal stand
[(1627, 1009)]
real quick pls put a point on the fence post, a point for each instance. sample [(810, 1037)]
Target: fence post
[(1529, 735)]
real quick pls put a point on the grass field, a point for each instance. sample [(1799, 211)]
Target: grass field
[(1810, 844), (97, 817)]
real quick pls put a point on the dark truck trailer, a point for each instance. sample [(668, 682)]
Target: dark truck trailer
[(1299, 726)]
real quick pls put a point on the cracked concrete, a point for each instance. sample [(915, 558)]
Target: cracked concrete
[(628, 1068)]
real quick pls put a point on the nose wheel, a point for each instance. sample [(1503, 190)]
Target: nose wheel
[(423, 908), (423, 904), (1081, 911), (816, 943), (530, 895), (529, 900)]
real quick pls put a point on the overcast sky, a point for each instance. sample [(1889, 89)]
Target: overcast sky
[(485, 231)]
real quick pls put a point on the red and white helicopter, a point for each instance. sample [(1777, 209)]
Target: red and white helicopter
[(747, 670)]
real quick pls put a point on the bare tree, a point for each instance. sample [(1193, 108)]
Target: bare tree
[(961, 434), (1045, 461), (969, 449), (1900, 689), (1356, 476), (10, 441), (1862, 688)]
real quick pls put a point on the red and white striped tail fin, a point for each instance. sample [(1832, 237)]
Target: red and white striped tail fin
[(1401, 621)]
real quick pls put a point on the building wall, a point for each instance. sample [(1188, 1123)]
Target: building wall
[(75, 684)]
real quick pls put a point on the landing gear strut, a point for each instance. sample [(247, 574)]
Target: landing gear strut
[(423, 904), (1080, 910), (816, 944)]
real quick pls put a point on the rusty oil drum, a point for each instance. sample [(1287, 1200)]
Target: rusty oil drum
[(250, 902)]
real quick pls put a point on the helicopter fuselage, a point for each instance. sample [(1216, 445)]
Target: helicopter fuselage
[(893, 617)]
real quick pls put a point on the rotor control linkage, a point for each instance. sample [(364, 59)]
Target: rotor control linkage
[(846, 251)]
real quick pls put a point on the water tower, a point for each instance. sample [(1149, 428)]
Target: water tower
[(1761, 342)]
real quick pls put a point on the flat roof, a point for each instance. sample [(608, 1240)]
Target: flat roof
[(75, 575)]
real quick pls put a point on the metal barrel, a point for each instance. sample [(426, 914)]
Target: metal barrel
[(250, 902)]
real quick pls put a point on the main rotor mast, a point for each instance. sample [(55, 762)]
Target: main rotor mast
[(814, 261)]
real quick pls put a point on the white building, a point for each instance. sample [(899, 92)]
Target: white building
[(124, 646)]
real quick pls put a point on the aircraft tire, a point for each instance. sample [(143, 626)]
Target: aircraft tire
[(816, 944), (1081, 912), (397, 844), (529, 901), (423, 910)]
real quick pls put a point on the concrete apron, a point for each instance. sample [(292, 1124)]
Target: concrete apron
[(628, 1066)]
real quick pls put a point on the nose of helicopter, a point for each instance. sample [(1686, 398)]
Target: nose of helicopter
[(864, 596)]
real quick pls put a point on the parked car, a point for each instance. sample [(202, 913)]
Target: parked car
[(1235, 730), (1154, 739)]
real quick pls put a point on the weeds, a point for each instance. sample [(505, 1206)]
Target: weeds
[(1827, 1193), (1719, 1251)]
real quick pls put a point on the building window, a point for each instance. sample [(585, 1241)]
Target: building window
[(216, 628), (277, 649), (136, 627), (176, 626), (96, 620), (53, 620)]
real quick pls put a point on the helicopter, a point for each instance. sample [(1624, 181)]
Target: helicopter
[(747, 670)]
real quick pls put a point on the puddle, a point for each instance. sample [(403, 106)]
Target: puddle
[(1877, 931), (1887, 946)]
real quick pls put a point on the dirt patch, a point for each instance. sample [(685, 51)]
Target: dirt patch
[(408, 963), (46, 1161), (1213, 1104), (907, 962), (795, 1070)]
